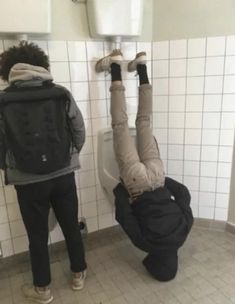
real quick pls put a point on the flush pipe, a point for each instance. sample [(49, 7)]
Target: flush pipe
[(22, 37), (117, 42)]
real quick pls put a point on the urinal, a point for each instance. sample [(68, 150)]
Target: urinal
[(107, 165)]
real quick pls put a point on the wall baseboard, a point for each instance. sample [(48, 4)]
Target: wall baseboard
[(210, 224), (230, 227)]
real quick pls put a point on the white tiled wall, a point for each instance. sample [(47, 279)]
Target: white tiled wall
[(194, 113)]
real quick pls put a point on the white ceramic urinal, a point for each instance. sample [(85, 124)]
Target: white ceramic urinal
[(107, 165)]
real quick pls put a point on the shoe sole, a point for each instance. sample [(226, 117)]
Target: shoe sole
[(80, 287), (40, 302), (141, 59), (114, 59)]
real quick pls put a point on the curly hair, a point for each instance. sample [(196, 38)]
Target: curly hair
[(25, 52)]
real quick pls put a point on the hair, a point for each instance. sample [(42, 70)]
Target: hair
[(25, 52)]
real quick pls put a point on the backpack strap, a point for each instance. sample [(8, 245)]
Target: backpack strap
[(31, 94)]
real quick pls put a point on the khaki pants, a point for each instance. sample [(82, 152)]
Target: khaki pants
[(141, 168)]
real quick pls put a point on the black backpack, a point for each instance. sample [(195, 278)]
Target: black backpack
[(36, 128)]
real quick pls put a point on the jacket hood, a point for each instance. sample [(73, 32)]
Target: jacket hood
[(27, 72)]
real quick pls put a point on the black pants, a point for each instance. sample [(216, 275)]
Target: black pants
[(35, 201)]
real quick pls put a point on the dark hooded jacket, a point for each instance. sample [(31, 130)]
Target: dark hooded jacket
[(159, 221)]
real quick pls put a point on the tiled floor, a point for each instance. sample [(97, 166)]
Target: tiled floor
[(116, 276)]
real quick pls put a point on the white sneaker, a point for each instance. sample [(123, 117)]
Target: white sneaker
[(38, 296), (78, 283), (104, 64), (140, 58)]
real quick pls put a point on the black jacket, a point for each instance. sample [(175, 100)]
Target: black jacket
[(155, 222)]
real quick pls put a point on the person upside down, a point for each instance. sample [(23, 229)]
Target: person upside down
[(153, 210)]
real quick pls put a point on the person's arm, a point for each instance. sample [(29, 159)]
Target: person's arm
[(127, 220), (182, 198), (76, 123), (2, 145)]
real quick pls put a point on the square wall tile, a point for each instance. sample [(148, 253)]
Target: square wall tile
[(2, 197), (98, 124), (208, 184), (89, 210), (13, 212), (196, 67), (212, 103), (192, 152), (176, 136), (221, 214), (84, 107), (131, 105), (88, 195), (95, 50), (230, 45), (228, 103), (60, 71), (225, 154), (226, 137), (97, 90), (211, 120), (163, 148), (80, 91), (160, 86), (192, 137), (105, 221), (177, 86), (161, 50), (57, 51), (129, 50), (176, 103), (178, 48), (213, 84), (192, 182), (78, 71), (197, 47), (206, 212), (191, 168), (228, 121), (146, 47), (176, 120), (224, 170), (77, 50), (193, 120), (175, 152), (214, 65), (17, 228), (207, 199), (87, 162), (175, 167), (195, 85), (3, 215), (160, 120), (222, 200), (98, 108), (210, 137), (20, 244), (10, 194), (229, 87), (92, 74), (161, 135), (86, 179), (223, 185), (177, 67), (160, 103), (160, 68), (131, 88), (215, 46), (87, 147), (40, 43), (229, 65), (104, 207), (208, 169), (194, 103), (7, 248), (92, 224), (5, 233), (209, 153)]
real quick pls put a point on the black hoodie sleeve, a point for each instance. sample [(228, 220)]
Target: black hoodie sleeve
[(182, 198), (127, 220)]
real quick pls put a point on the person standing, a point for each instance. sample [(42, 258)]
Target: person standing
[(41, 135)]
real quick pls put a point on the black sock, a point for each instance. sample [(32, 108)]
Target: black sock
[(142, 72), (116, 72)]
